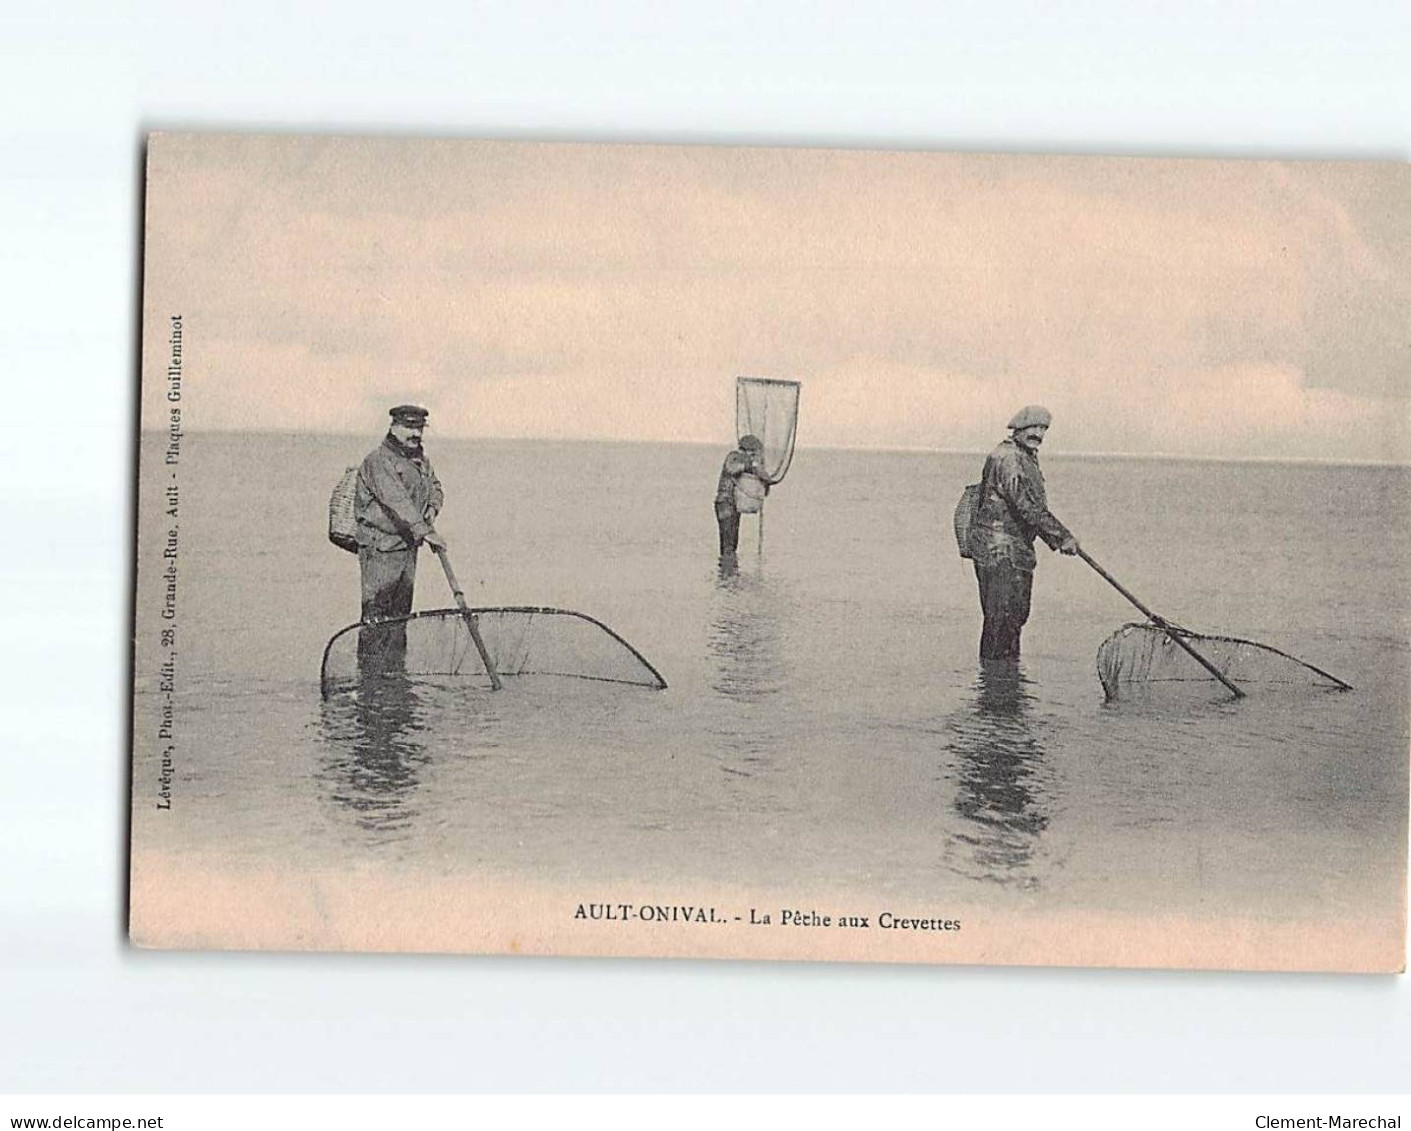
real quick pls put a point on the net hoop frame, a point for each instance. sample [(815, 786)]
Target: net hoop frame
[(1169, 629), (741, 383), (324, 681)]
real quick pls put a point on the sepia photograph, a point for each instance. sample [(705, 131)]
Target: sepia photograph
[(772, 553)]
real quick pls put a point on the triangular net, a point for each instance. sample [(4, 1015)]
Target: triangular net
[(1147, 656), (520, 641), (769, 408)]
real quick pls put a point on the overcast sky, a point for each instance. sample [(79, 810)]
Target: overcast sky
[(1181, 307)]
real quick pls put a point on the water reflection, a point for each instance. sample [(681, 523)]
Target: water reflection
[(998, 765), (748, 669), (374, 751), (745, 635)]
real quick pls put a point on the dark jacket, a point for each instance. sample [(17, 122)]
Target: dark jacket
[(1013, 510), (398, 497), (736, 464)]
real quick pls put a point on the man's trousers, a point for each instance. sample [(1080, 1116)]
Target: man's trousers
[(387, 581), (1004, 599)]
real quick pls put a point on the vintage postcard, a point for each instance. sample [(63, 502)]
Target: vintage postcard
[(772, 553)]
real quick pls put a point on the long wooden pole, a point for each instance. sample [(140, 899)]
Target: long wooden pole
[(1171, 631), (495, 684)]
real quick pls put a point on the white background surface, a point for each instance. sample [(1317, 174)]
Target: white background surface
[(79, 85)]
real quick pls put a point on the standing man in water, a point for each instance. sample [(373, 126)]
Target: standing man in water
[(744, 459), (397, 501), (1012, 511)]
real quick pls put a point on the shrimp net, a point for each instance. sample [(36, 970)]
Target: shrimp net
[(1143, 656), (769, 408), (520, 641)]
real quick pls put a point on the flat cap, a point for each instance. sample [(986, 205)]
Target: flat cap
[(409, 414), (751, 443), (1031, 416)]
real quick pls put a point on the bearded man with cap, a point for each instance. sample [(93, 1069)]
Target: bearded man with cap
[(1012, 512), (398, 498), (745, 458)]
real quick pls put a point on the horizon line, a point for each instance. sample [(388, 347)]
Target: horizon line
[(1326, 461)]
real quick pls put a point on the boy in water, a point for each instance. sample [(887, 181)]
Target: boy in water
[(748, 457)]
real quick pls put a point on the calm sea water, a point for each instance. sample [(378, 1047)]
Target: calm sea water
[(826, 721)]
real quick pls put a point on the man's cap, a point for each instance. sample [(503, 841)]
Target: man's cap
[(751, 443), (409, 414), (1031, 416)]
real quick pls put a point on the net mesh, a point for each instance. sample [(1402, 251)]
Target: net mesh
[(769, 409), (1144, 655), (520, 641)]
